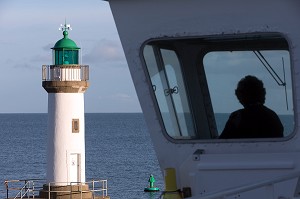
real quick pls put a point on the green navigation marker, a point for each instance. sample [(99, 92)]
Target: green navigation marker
[(151, 187)]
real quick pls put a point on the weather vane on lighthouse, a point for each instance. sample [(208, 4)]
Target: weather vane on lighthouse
[(65, 27)]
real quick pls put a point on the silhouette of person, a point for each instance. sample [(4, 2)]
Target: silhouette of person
[(255, 120)]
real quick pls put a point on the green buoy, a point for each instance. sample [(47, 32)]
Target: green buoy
[(151, 187)]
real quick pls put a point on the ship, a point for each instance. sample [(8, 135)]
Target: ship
[(186, 58)]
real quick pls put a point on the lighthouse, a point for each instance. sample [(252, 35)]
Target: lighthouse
[(65, 82)]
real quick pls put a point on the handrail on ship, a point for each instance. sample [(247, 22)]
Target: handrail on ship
[(242, 189), (70, 72), (29, 189)]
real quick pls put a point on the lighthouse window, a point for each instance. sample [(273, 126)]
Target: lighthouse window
[(194, 82), (66, 57), (75, 125)]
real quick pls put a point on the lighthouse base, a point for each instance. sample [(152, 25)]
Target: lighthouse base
[(67, 192)]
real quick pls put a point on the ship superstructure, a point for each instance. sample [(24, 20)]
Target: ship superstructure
[(186, 58)]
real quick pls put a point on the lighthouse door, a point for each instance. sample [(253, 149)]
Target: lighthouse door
[(74, 167)]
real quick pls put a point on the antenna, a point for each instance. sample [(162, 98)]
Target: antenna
[(272, 72), (269, 68)]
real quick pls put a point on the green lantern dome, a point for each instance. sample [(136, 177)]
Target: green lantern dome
[(65, 43), (65, 50)]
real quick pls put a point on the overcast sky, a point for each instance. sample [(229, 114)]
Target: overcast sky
[(30, 28)]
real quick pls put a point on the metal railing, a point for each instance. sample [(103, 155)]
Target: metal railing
[(70, 72), (23, 188), (29, 189), (102, 189), (26, 190)]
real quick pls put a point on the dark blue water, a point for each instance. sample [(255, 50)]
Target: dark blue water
[(118, 148)]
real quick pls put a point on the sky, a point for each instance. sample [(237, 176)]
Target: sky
[(28, 31)]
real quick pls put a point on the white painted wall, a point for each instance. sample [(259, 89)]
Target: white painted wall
[(62, 108), (141, 20)]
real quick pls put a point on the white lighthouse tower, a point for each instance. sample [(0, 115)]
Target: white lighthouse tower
[(66, 81)]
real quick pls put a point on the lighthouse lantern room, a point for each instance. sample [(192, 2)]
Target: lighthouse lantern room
[(65, 81), (65, 51)]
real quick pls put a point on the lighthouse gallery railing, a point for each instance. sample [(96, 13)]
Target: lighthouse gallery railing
[(71, 72)]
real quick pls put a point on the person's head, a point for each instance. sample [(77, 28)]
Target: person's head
[(250, 90)]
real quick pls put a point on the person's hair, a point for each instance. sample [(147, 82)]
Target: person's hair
[(250, 90)]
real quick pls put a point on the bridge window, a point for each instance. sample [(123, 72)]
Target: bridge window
[(194, 80), (224, 69), (169, 89)]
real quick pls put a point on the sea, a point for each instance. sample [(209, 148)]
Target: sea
[(118, 149)]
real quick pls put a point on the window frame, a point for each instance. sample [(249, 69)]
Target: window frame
[(209, 48)]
